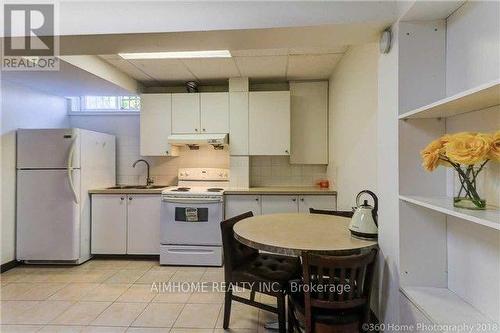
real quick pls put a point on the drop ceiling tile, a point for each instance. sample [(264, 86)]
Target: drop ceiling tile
[(259, 52), (318, 50), (129, 69), (212, 69), (302, 67), (164, 69), (262, 67)]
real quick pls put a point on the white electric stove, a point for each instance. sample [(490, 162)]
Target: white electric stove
[(190, 218)]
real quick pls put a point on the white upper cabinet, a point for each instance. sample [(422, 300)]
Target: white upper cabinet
[(214, 112), (269, 123), (186, 113), (200, 113), (309, 122), (156, 125), (238, 120)]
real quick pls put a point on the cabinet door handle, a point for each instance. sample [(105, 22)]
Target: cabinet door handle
[(122, 198), (256, 199), (196, 130), (130, 198), (166, 151), (302, 199), (294, 199), (286, 151), (204, 130)]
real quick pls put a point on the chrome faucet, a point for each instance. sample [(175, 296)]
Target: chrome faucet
[(149, 180)]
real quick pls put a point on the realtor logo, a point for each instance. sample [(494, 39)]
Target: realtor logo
[(30, 41)]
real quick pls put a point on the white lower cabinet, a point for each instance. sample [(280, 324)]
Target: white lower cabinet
[(327, 202), (239, 204), (274, 204), (109, 224), (143, 224), (125, 224)]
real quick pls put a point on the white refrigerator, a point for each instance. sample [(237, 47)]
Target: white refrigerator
[(55, 170)]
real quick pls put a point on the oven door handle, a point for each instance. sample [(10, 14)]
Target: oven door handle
[(192, 200)]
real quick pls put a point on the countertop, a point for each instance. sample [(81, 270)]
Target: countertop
[(246, 190), (281, 190), (128, 190)]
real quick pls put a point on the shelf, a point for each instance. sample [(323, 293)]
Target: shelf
[(489, 217), (478, 98), (442, 306)]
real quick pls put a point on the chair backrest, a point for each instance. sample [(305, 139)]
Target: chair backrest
[(235, 253), (337, 282), (344, 213)]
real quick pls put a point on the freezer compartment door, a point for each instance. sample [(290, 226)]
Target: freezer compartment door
[(48, 148), (48, 218)]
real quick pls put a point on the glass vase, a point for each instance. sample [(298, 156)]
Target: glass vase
[(468, 191)]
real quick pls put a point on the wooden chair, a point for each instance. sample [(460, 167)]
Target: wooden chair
[(344, 213), (265, 273), (322, 309)]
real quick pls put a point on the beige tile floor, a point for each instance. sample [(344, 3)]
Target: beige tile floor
[(109, 296)]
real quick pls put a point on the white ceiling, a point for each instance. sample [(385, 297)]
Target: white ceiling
[(125, 17), (262, 64), (69, 80)]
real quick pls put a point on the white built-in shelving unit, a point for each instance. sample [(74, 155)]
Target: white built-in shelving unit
[(442, 306), (489, 217), (478, 98), (449, 258)]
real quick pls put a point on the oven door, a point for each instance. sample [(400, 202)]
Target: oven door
[(191, 221)]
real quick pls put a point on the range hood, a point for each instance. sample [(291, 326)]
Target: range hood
[(196, 140)]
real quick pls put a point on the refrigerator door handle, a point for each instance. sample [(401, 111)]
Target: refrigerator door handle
[(70, 170)]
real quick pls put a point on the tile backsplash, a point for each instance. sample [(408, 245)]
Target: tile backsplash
[(164, 169), (277, 171)]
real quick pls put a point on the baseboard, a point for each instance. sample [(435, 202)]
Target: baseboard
[(8, 265), (127, 256)]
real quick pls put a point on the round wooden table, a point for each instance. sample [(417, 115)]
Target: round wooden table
[(291, 234)]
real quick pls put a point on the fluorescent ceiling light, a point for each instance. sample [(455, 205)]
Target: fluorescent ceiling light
[(177, 55)]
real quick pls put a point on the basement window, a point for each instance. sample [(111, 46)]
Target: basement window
[(108, 105)]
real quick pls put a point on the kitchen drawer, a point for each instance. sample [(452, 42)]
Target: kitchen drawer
[(191, 255)]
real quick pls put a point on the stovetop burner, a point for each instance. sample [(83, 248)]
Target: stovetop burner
[(214, 189), (181, 189)]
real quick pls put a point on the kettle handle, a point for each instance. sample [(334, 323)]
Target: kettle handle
[(375, 202)]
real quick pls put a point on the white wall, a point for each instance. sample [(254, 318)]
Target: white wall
[(353, 123), (21, 108), (163, 169), (387, 182)]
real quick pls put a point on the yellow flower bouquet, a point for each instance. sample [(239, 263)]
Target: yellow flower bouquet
[(467, 153)]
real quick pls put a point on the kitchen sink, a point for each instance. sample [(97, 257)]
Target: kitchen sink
[(131, 187)]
